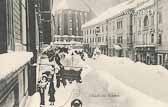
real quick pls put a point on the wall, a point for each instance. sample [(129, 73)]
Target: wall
[(3, 27)]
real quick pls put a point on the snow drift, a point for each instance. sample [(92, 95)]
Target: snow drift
[(148, 79), (10, 62)]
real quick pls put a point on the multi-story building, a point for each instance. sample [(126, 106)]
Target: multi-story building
[(145, 32), (137, 30), (69, 16), (115, 36), (18, 32), (120, 31), (95, 35)]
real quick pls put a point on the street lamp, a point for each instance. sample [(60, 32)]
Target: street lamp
[(97, 31)]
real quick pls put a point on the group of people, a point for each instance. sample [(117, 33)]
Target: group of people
[(56, 55), (47, 79)]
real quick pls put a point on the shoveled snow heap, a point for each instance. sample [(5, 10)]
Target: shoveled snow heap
[(34, 100), (98, 85), (149, 79), (10, 62)]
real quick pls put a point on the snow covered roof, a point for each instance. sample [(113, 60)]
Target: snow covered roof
[(72, 4), (146, 4), (10, 62), (113, 11)]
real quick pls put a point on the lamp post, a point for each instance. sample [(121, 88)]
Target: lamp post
[(97, 31)]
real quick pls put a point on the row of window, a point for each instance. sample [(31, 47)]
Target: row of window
[(120, 24), (104, 28), (149, 39)]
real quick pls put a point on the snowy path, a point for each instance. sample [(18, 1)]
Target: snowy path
[(100, 88)]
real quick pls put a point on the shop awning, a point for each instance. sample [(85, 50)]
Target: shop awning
[(117, 47)]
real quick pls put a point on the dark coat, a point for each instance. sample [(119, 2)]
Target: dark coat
[(52, 98), (51, 92), (51, 88)]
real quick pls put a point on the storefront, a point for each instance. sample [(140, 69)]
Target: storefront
[(117, 51), (104, 49), (146, 55), (162, 57)]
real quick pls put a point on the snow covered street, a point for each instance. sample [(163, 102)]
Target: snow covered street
[(115, 82)]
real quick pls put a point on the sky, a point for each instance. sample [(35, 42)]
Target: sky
[(98, 6)]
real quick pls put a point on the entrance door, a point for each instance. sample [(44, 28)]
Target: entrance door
[(160, 59)]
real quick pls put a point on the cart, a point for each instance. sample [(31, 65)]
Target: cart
[(70, 74)]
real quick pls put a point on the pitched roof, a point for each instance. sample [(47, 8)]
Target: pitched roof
[(72, 4)]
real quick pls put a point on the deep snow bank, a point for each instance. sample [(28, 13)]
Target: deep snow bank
[(10, 62), (148, 79), (99, 85), (34, 100)]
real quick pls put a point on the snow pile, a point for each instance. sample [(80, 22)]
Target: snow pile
[(133, 97), (34, 100), (148, 79), (98, 85), (10, 62)]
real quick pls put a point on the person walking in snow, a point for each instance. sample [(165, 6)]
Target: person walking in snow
[(96, 53), (51, 93), (41, 88)]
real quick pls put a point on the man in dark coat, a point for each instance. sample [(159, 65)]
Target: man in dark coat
[(51, 93)]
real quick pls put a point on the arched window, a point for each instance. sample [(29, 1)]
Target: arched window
[(146, 21)]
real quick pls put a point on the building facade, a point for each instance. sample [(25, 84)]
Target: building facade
[(12, 27), (145, 32), (68, 19), (115, 36), (120, 35), (162, 39), (95, 36), (137, 30), (45, 7), (18, 32)]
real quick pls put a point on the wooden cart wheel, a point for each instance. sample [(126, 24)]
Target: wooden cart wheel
[(76, 103)]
